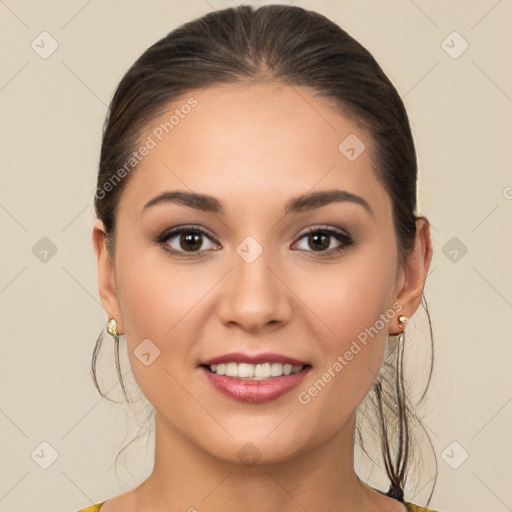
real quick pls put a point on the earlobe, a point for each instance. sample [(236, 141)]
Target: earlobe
[(415, 270), (106, 275)]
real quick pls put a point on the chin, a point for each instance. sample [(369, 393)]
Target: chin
[(257, 447)]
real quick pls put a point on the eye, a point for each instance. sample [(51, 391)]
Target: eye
[(189, 242), (321, 240)]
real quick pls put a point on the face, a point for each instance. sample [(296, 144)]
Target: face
[(247, 282)]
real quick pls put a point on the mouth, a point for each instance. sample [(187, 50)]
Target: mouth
[(254, 378)]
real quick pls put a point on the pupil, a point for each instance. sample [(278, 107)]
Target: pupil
[(190, 238), (316, 236)]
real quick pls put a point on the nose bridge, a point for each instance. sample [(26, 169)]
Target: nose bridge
[(252, 262), (253, 295)]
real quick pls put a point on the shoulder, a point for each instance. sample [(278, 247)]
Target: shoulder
[(92, 508), (411, 507)]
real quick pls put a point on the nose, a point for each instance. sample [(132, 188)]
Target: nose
[(254, 295)]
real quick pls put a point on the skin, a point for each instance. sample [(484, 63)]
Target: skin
[(253, 148)]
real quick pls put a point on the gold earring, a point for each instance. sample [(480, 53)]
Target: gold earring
[(112, 327), (402, 320)]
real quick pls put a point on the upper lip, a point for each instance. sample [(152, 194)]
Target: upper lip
[(265, 357)]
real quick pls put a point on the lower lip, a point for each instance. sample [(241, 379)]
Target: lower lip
[(255, 391)]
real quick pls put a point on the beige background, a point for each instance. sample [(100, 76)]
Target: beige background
[(52, 112)]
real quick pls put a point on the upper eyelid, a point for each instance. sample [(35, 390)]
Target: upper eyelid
[(172, 232), (333, 229)]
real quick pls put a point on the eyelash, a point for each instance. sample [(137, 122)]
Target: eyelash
[(342, 237)]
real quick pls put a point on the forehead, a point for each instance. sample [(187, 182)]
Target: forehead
[(261, 143)]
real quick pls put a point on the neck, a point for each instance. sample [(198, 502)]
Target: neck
[(187, 478)]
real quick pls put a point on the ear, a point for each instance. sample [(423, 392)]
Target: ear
[(106, 275), (413, 274)]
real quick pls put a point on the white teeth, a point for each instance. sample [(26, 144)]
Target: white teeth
[(262, 370), (231, 370), (276, 369), (245, 370), (254, 371)]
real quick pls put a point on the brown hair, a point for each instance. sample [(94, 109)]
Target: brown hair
[(297, 47)]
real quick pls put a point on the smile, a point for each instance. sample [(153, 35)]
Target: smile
[(254, 378)]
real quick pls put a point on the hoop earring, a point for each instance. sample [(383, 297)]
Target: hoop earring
[(112, 328), (397, 482)]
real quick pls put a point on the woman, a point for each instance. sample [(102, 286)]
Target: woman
[(258, 246)]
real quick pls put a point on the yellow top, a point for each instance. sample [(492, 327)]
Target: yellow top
[(411, 507)]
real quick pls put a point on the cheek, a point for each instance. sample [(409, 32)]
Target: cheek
[(349, 297), (154, 292), (157, 300), (353, 302)]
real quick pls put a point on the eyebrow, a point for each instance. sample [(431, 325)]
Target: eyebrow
[(305, 202)]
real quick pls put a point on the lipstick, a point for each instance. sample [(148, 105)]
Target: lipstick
[(254, 378)]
